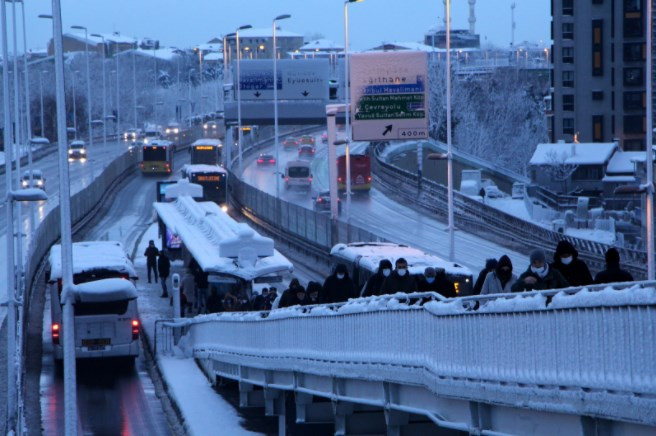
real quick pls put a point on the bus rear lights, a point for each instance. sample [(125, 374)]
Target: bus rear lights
[(272, 161), (55, 334), (135, 329)]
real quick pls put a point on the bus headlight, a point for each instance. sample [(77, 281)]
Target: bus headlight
[(224, 208)]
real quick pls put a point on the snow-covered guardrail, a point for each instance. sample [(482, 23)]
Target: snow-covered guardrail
[(586, 351)]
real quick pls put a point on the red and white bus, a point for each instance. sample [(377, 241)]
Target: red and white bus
[(360, 173)]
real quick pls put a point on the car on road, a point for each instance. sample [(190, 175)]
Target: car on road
[(38, 181), (298, 175), (324, 137), (290, 142), (307, 139), (266, 159), (493, 191), (210, 125), (132, 134), (77, 150), (172, 129), (306, 151), (322, 202)]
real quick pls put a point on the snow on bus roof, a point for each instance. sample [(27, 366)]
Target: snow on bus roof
[(218, 243), (159, 143), (203, 168), (371, 253), (92, 255), (207, 141), (101, 291)]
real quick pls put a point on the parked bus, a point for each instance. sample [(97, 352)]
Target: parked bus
[(106, 319), (157, 157), (362, 259), (360, 173), (213, 179), (206, 151)]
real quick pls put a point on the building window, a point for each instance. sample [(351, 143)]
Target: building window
[(633, 26), (597, 128), (634, 124), (597, 95), (568, 30), (634, 52), (634, 144), (568, 102), (633, 76), (597, 2), (632, 5), (568, 55), (568, 126), (587, 172), (597, 48), (568, 79), (568, 7), (634, 101)]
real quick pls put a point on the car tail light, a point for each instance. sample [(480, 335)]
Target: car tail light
[(286, 179), (260, 160), (141, 165), (135, 329), (369, 179), (339, 179), (310, 179), (319, 200), (272, 161), (55, 334)]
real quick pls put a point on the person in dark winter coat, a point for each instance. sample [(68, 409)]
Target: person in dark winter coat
[(375, 282), (501, 280), (214, 302), (164, 269), (490, 265), (258, 301), (435, 280), (312, 293), (400, 280), (151, 254), (338, 287), (539, 276), (291, 295), (567, 262), (613, 273)]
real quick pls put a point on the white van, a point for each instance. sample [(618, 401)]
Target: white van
[(106, 317), (298, 175)]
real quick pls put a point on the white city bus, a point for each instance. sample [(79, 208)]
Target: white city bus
[(106, 316)]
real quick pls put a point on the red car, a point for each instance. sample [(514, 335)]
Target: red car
[(266, 159), (290, 142), (306, 151), (324, 137), (307, 139)]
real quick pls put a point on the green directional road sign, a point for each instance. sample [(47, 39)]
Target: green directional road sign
[(389, 96)]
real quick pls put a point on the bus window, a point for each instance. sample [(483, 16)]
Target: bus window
[(105, 308), (154, 153), (299, 172)]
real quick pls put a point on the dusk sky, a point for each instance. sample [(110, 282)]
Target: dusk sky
[(185, 23)]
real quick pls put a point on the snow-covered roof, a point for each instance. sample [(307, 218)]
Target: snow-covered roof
[(416, 46), (623, 162), (584, 153), (208, 141), (93, 255), (213, 47), (203, 168), (161, 143), (109, 37), (619, 179), (214, 56), (106, 290), (165, 54), (218, 243), (265, 32), (183, 187), (371, 253), (321, 45)]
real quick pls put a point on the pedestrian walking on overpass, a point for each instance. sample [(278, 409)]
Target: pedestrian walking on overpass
[(290, 297), (400, 280), (539, 276), (613, 273), (501, 280), (151, 254), (338, 287), (313, 292), (375, 282), (490, 265), (434, 280), (567, 262), (164, 269)]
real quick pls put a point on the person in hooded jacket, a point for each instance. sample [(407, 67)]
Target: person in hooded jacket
[(375, 282), (312, 293), (613, 273), (490, 265), (338, 287), (539, 276), (501, 280), (435, 280), (400, 280), (291, 295), (567, 262)]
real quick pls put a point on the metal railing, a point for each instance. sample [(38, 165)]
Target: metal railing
[(478, 217)]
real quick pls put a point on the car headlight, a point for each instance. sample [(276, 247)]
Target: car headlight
[(224, 208), (83, 151), (204, 126), (177, 131), (24, 183), (39, 183), (70, 151)]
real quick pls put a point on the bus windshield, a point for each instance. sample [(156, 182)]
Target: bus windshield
[(154, 153), (204, 154), (298, 172), (101, 308)]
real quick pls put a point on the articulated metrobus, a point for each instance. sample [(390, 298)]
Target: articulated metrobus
[(106, 319), (213, 179), (157, 157), (206, 151)]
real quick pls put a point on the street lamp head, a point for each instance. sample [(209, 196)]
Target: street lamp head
[(228, 35), (244, 27), (46, 16), (282, 17), (437, 156), (96, 35), (79, 27), (353, 1), (340, 142)]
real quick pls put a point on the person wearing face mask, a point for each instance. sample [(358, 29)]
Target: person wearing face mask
[(400, 280), (291, 295), (338, 287), (312, 293), (539, 276), (375, 282), (567, 262), (434, 280), (501, 280)]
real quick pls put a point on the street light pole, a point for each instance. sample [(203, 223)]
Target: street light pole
[(41, 73), (649, 203), (134, 86), (118, 98), (74, 72), (86, 52), (239, 133), (104, 99), (200, 69), (275, 101), (452, 250), (67, 296)]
